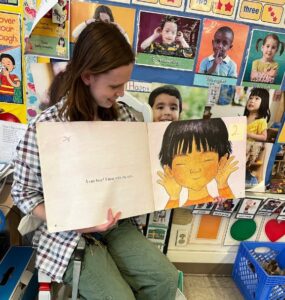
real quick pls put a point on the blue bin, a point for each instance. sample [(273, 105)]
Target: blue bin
[(250, 277)]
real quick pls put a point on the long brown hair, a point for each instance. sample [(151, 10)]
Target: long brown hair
[(100, 48)]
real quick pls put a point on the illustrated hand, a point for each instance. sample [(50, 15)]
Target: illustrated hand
[(112, 220), (5, 72), (89, 21), (157, 32), (226, 167), (172, 188), (219, 200)]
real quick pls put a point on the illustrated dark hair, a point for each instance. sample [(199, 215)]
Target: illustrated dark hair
[(264, 111), (103, 9), (100, 47), (226, 29), (6, 55), (274, 37), (165, 89), (209, 135), (168, 18)]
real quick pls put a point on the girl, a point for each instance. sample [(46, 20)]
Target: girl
[(266, 69), (192, 154), (168, 31), (60, 48), (102, 13), (119, 263), (258, 114)]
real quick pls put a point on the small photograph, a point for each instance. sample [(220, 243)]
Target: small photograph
[(225, 208), (167, 41), (142, 223), (266, 60), (160, 217), (221, 52), (277, 179), (83, 13), (248, 208), (170, 102), (269, 206), (203, 208), (263, 108), (156, 234), (281, 216), (257, 156)]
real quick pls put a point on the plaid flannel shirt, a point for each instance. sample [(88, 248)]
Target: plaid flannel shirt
[(53, 249)]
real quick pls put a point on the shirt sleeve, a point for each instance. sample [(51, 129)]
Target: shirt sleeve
[(254, 65), (233, 69), (27, 191), (203, 66), (262, 125)]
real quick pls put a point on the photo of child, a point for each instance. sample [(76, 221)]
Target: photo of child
[(270, 205), (167, 36), (264, 109), (172, 41), (221, 51), (258, 114), (265, 64), (219, 63), (60, 48), (265, 69), (248, 208), (84, 13)]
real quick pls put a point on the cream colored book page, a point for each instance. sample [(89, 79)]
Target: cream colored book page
[(88, 167)]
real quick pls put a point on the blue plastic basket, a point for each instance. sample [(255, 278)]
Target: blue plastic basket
[(250, 277)]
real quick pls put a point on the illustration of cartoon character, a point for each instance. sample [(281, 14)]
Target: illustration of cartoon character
[(8, 81), (193, 153)]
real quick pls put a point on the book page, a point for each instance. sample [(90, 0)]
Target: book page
[(195, 161), (89, 167)]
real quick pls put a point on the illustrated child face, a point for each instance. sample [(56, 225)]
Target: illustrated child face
[(7, 63), (269, 49), (222, 43), (196, 169), (253, 103), (169, 32), (165, 108), (104, 17), (107, 87)]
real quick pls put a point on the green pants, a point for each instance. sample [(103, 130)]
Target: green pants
[(128, 267)]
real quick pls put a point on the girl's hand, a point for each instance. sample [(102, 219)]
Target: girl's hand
[(89, 21), (226, 167), (172, 188), (157, 32), (119, 27), (180, 37), (112, 220)]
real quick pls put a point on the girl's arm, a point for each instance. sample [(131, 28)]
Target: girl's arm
[(262, 137), (147, 42), (80, 27)]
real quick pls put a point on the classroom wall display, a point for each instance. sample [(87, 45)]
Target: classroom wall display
[(222, 8), (177, 5), (266, 60), (263, 12), (50, 36), (167, 41), (82, 12), (221, 52)]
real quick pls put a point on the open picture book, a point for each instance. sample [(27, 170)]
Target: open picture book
[(137, 168)]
